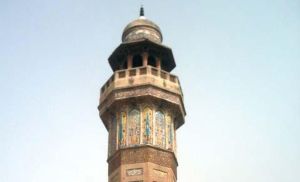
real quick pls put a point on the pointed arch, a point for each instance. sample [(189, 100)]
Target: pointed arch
[(160, 129), (147, 122), (134, 127), (122, 119), (169, 132), (112, 136)]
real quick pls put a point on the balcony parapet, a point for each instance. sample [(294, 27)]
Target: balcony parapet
[(139, 76)]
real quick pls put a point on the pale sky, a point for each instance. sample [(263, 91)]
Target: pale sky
[(239, 66)]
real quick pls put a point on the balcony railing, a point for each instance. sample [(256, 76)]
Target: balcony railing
[(141, 76)]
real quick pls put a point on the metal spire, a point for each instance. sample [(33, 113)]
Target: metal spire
[(142, 11)]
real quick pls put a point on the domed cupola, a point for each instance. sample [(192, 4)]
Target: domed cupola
[(142, 46), (141, 29)]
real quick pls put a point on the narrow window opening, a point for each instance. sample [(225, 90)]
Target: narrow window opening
[(124, 65), (137, 61), (151, 61), (164, 65)]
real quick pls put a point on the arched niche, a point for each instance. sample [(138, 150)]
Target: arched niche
[(133, 127), (112, 136), (160, 129), (122, 124), (147, 124)]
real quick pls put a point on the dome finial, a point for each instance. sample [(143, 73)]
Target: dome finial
[(142, 11)]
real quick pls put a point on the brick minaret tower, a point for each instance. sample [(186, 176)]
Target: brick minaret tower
[(141, 106)]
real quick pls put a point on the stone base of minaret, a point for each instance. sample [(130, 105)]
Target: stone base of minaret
[(142, 164)]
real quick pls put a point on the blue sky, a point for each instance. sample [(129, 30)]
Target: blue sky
[(238, 63)]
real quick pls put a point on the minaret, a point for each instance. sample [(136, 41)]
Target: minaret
[(141, 106)]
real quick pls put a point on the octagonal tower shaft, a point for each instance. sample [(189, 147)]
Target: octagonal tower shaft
[(141, 106)]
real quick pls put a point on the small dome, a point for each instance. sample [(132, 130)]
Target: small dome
[(142, 28)]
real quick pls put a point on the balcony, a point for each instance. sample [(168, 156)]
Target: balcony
[(140, 76)]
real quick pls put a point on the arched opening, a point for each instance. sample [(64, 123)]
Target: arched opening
[(124, 65), (151, 61), (165, 64), (137, 61)]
